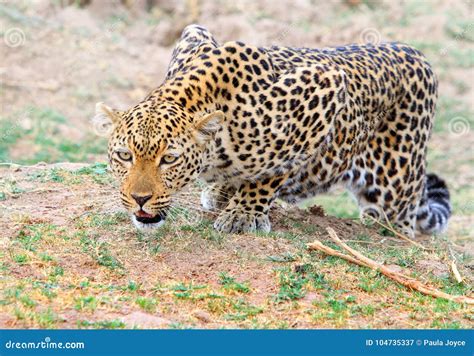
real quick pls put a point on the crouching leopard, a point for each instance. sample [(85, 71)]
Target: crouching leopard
[(279, 122)]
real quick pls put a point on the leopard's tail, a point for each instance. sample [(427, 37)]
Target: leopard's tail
[(435, 207)]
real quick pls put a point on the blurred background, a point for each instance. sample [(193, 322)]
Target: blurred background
[(60, 57)]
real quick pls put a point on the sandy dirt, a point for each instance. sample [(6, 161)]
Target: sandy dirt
[(71, 258)]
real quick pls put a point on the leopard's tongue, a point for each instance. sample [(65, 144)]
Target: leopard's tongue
[(142, 214)]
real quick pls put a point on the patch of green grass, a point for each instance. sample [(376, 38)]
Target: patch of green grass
[(243, 310), (292, 285), (147, 304), (27, 301), (335, 307), (86, 303), (57, 271), (45, 257), (19, 314), (20, 258), (43, 132), (105, 220), (445, 324), (178, 326), (153, 241), (205, 230), (30, 235), (363, 309), (46, 288), (99, 251), (386, 232), (185, 291), (46, 319), (293, 236), (285, 257), (403, 257), (9, 188), (445, 306), (56, 175), (371, 283), (103, 324), (11, 294), (229, 283), (450, 286), (318, 281), (4, 267), (98, 172), (132, 286)]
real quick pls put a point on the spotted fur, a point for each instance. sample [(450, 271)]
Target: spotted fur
[(261, 123)]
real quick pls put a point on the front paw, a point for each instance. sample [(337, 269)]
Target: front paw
[(239, 221)]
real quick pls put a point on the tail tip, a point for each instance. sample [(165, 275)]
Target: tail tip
[(435, 209)]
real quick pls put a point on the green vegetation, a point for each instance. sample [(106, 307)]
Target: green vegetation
[(229, 283), (147, 304), (99, 251), (105, 324), (43, 129)]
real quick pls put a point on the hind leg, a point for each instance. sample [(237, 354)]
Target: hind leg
[(388, 178), (401, 214)]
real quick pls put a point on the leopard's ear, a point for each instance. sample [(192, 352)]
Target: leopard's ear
[(105, 119), (206, 126)]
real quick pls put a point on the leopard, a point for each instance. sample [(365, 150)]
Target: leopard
[(257, 124)]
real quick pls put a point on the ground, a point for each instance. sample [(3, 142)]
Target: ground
[(71, 258), (69, 255)]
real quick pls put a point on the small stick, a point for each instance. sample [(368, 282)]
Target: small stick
[(317, 245), (455, 271), (404, 280)]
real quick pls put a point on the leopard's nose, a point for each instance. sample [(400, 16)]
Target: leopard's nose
[(141, 199)]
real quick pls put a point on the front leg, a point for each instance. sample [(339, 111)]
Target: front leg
[(247, 210), (215, 197)]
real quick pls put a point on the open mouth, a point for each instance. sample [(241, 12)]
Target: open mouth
[(146, 218)]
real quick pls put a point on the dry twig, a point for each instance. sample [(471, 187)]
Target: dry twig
[(401, 278), (455, 271)]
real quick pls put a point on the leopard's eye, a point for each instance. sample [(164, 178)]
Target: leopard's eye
[(168, 159), (124, 156)]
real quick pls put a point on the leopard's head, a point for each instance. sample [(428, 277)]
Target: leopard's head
[(154, 150)]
